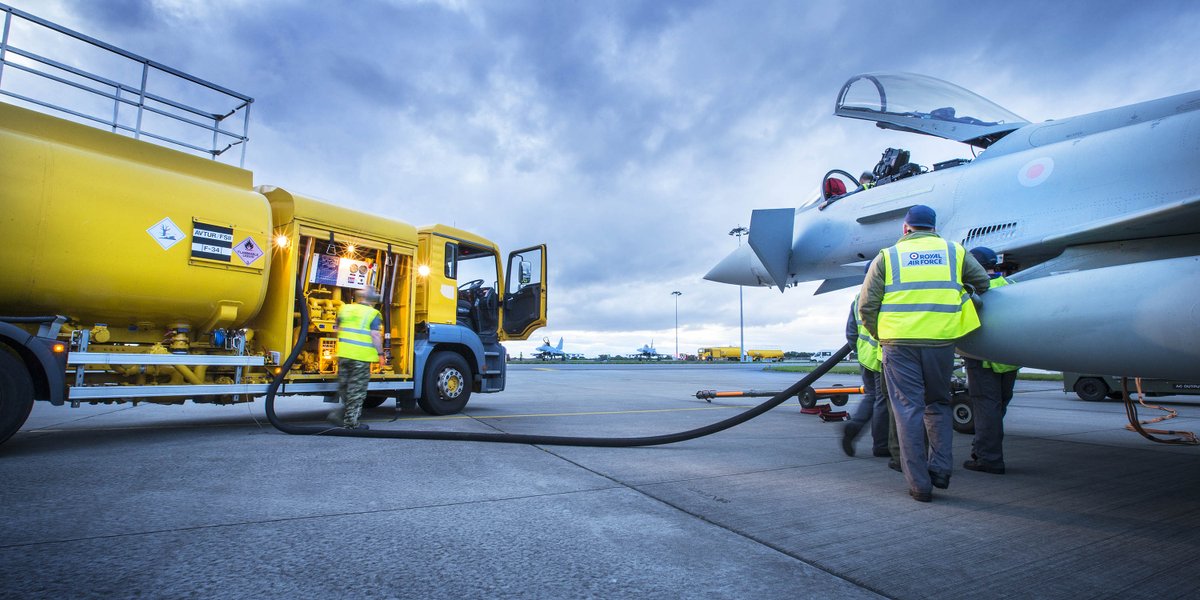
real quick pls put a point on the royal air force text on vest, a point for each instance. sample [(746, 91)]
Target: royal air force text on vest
[(924, 259)]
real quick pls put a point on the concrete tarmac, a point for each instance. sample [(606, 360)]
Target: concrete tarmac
[(211, 502)]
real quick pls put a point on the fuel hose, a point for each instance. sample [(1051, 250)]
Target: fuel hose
[(514, 438)]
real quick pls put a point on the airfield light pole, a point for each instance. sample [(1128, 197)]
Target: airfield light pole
[(677, 294), (739, 231)]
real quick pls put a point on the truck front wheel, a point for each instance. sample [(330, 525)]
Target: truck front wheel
[(447, 385), (16, 394)]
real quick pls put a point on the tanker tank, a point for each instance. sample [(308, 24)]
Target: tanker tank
[(110, 230)]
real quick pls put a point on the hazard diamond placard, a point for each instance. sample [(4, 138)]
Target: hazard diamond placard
[(248, 251)]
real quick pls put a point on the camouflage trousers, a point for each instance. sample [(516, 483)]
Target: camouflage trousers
[(353, 377)]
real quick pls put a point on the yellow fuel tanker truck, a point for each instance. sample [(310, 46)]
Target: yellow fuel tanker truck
[(137, 272), (719, 353), (734, 353), (769, 355)]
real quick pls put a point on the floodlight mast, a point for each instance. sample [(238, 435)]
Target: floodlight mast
[(739, 231), (677, 294)]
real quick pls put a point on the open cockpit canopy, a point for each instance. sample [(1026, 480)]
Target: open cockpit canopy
[(922, 104)]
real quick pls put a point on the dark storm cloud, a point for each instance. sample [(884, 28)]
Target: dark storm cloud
[(584, 58), (118, 14), (419, 58)]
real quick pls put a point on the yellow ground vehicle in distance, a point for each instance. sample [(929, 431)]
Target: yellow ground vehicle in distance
[(765, 355), (719, 353), (734, 353), (138, 272)]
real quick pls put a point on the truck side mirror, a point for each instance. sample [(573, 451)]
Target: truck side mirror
[(526, 272)]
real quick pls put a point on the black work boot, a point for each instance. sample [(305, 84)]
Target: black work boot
[(849, 434)]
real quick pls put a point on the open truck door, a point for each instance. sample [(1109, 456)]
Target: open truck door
[(524, 293)]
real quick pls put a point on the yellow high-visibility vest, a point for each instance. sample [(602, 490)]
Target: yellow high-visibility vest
[(999, 367), (354, 332), (867, 347), (923, 295)]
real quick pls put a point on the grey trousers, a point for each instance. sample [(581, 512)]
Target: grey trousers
[(918, 381), (353, 377), (873, 409), (990, 395)]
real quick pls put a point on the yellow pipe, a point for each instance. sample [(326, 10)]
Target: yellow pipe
[(188, 375)]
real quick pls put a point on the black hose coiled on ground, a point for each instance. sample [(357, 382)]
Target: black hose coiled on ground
[(515, 438)]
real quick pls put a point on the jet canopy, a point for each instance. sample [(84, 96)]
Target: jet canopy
[(922, 104)]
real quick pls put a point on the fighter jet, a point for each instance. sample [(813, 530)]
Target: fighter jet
[(1098, 214), (647, 351), (548, 352)]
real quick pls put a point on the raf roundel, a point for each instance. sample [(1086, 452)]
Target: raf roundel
[(1036, 171)]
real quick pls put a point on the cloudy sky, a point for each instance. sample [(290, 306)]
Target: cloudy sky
[(629, 136)]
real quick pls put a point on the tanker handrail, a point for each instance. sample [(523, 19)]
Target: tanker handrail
[(117, 86), (122, 94)]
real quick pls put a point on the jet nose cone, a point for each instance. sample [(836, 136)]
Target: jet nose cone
[(741, 267)]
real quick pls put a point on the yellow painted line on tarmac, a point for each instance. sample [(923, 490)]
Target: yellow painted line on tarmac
[(264, 425)]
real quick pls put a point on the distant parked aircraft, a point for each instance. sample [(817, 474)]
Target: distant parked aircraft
[(648, 351), (548, 352)]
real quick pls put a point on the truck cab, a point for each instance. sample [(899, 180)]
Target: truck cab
[(467, 302)]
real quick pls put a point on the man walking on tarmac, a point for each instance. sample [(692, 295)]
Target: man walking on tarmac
[(360, 343), (991, 387), (914, 302), (873, 408)]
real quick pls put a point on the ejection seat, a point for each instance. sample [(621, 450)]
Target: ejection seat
[(834, 188)]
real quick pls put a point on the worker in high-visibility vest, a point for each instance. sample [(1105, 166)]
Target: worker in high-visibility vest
[(360, 343), (915, 302), (991, 387), (873, 407), (866, 180)]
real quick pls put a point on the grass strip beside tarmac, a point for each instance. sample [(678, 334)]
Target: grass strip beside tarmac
[(838, 370), (848, 370)]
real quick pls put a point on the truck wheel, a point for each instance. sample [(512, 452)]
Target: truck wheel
[(1091, 389), (447, 385), (964, 415), (16, 394)]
